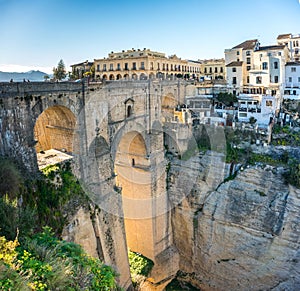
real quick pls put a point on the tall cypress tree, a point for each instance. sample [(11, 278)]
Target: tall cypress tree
[(60, 72)]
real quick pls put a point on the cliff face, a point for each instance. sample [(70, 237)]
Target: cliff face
[(243, 234)]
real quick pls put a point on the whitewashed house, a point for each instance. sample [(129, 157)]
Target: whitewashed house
[(238, 61), (292, 81), (261, 107), (267, 72), (292, 42)]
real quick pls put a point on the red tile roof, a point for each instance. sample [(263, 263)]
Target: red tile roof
[(281, 36), (246, 45), (271, 47), (235, 64)]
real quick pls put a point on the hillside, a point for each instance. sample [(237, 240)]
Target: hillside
[(19, 77)]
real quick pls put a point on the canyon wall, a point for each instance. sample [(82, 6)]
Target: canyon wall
[(242, 234)]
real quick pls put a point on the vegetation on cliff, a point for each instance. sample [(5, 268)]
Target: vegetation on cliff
[(140, 267), (45, 263), (239, 148), (33, 212)]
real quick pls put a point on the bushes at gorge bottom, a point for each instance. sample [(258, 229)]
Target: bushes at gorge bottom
[(140, 266)]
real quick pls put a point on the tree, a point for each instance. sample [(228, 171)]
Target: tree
[(252, 120), (59, 73), (227, 98), (46, 78)]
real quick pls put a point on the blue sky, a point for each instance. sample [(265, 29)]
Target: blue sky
[(38, 33)]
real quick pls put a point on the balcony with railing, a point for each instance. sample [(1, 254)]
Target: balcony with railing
[(292, 85)]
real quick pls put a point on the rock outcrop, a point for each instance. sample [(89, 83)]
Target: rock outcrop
[(243, 234)]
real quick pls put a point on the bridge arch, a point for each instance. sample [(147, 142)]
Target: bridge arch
[(55, 129)]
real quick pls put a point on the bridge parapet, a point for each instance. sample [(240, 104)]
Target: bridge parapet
[(22, 89)]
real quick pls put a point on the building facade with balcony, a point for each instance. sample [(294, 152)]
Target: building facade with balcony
[(292, 42), (201, 107), (213, 69), (255, 69), (292, 80), (267, 71), (143, 64), (261, 107), (238, 62)]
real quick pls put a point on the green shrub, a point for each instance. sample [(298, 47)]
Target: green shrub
[(46, 263), (293, 174), (139, 265)]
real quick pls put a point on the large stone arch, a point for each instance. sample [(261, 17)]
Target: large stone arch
[(43, 103), (55, 129)]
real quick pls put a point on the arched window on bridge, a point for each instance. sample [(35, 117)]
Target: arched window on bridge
[(129, 107), (129, 110)]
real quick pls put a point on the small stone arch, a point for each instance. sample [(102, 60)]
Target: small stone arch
[(111, 77), (143, 76), (151, 76), (134, 77), (119, 77), (99, 147), (104, 77), (126, 76), (129, 106)]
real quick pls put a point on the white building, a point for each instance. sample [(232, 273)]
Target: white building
[(292, 42), (255, 69), (292, 80), (200, 106), (260, 107), (234, 73), (267, 71), (238, 61)]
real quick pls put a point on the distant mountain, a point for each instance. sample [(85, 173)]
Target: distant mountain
[(19, 77)]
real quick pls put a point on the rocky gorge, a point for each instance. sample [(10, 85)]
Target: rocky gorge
[(242, 234)]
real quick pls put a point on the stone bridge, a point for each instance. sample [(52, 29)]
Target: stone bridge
[(115, 133)]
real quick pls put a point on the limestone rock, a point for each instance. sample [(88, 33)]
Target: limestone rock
[(243, 236)]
